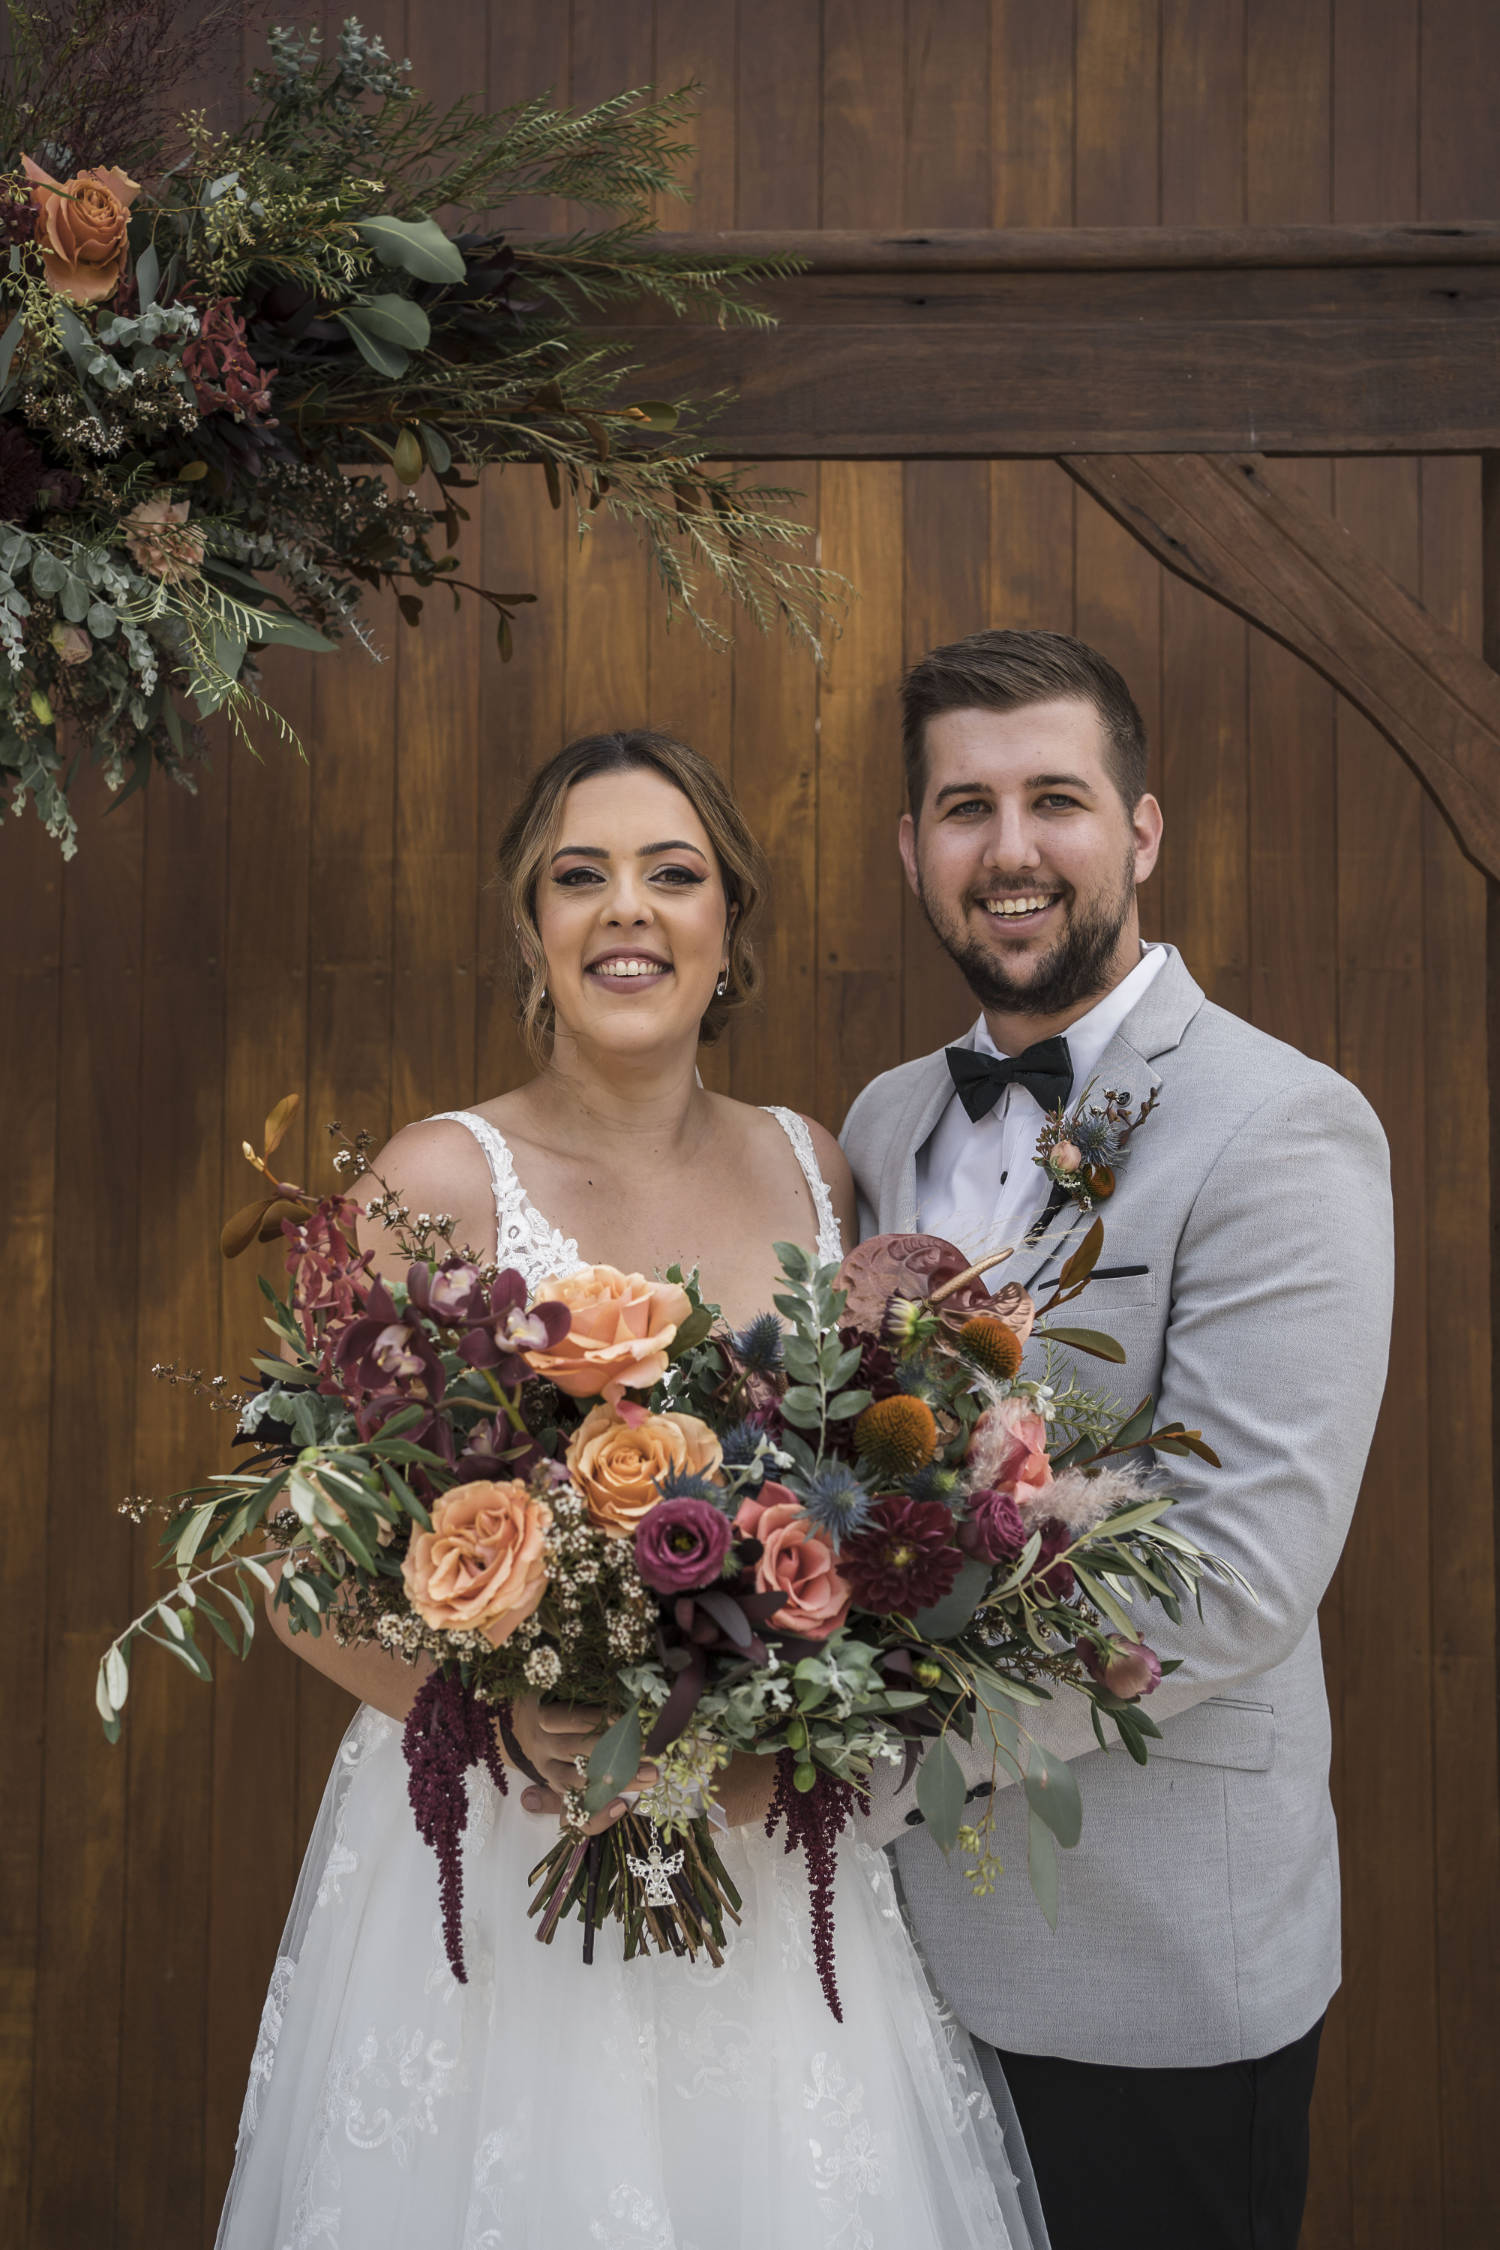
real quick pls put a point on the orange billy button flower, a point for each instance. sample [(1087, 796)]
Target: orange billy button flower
[(993, 1346), (896, 1436)]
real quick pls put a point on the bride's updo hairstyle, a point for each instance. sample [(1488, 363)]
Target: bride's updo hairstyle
[(529, 840)]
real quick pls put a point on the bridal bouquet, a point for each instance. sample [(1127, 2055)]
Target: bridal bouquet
[(196, 354), (836, 1538)]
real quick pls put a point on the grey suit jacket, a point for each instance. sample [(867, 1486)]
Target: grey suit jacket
[(1247, 1270)]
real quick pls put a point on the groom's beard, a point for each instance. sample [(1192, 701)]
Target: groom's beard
[(1077, 968)]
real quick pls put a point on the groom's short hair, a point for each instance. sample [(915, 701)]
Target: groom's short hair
[(1004, 671)]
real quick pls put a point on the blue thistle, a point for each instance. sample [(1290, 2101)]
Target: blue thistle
[(932, 1483), (835, 1501), (739, 1447), (678, 1485), (1092, 1135), (757, 1346)]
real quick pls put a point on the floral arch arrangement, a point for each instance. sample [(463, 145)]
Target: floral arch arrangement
[(239, 372)]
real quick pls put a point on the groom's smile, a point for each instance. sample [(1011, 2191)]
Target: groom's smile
[(1026, 857)]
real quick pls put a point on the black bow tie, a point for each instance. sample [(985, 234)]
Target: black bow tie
[(1045, 1070)]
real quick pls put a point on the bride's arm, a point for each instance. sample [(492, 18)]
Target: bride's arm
[(834, 1166)]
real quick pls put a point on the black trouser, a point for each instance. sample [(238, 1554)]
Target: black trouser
[(1211, 2159)]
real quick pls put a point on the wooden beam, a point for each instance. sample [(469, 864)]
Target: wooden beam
[(1290, 568), (1316, 340)]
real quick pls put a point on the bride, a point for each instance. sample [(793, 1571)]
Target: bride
[(660, 2104)]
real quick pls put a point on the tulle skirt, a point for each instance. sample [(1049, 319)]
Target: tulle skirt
[(545, 2105)]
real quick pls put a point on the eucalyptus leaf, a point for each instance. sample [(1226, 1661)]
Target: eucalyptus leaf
[(415, 246), (1041, 1866), (147, 276), (290, 632), (394, 320), (49, 573), (386, 359), (940, 1793), (8, 343), (116, 1676), (614, 1762), (1052, 1792)]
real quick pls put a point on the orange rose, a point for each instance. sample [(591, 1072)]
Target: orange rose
[(80, 229), (480, 1569), (797, 1561), (622, 1325), (162, 542), (615, 1460)]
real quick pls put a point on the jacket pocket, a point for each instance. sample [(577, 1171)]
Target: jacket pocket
[(1220, 1732), (1118, 1285)]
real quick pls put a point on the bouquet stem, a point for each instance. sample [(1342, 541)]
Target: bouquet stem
[(678, 1897)]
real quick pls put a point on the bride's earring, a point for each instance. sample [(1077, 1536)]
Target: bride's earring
[(722, 984)]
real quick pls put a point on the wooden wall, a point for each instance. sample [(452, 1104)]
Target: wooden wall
[(327, 927)]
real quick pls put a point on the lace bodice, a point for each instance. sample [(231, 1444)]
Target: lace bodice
[(536, 1249)]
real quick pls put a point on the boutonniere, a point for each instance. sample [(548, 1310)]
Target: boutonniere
[(1080, 1149)]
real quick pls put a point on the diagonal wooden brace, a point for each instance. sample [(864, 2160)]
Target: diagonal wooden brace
[(1293, 570)]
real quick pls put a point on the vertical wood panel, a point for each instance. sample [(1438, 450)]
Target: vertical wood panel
[(253, 1840), (1390, 1963), (859, 774), (778, 112), (864, 54), (947, 133), (1460, 76), (696, 46), (1394, 2134), (31, 949), (79, 1962), (1031, 113), (1294, 855), (520, 727), (945, 595), (776, 774)]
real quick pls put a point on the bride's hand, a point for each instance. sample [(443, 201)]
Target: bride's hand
[(552, 1738)]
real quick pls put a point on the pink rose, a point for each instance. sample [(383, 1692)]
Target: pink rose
[(796, 1561), (1008, 1451)]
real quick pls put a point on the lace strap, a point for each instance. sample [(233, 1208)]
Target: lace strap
[(503, 1181), (830, 1234)]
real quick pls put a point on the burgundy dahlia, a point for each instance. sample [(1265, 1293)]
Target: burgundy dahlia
[(682, 1545), (993, 1531), (904, 1559)]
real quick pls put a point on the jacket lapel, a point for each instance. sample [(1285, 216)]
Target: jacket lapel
[(1152, 1029), (898, 1187)]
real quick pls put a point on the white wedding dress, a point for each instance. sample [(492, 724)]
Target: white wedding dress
[(650, 2105)]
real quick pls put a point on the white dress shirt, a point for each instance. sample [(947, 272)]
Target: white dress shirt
[(977, 1182)]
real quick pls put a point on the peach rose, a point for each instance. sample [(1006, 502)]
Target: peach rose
[(615, 1460), (622, 1325), (797, 1561), (80, 229), (160, 539), (1008, 1451), (480, 1569)]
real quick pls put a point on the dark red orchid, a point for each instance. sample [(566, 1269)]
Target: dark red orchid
[(496, 1326), (383, 1350)]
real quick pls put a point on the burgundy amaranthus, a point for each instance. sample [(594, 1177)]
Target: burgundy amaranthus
[(815, 1819), (447, 1731)]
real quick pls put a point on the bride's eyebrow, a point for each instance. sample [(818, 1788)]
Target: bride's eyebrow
[(646, 851)]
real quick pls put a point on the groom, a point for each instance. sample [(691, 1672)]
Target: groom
[(1160, 2048)]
